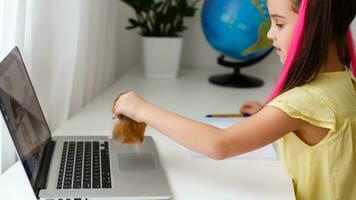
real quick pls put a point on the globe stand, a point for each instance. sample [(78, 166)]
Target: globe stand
[(236, 79)]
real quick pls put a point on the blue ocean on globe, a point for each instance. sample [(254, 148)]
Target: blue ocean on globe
[(237, 28)]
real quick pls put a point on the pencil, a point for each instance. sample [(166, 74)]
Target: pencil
[(227, 115)]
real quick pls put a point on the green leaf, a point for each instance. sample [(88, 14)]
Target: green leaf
[(180, 26), (171, 14), (131, 27), (133, 3), (134, 22), (183, 4), (146, 5), (189, 12), (158, 5)]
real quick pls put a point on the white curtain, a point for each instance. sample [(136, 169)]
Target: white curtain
[(73, 50)]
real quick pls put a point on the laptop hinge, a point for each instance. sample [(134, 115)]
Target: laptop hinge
[(41, 180)]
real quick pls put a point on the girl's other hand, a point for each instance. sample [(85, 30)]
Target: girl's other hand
[(130, 105), (250, 107)]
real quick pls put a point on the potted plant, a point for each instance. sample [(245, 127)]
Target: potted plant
[(160, 23)]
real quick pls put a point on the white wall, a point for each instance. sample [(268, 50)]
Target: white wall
[(196, 50), (103, 41)]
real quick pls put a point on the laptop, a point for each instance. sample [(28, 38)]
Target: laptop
[(78, 167)]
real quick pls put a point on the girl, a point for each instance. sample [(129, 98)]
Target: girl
[(311, 111)]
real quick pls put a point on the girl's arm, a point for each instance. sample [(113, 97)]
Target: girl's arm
[(263, 128)]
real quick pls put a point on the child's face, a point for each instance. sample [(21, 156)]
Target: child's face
[(283, 21)]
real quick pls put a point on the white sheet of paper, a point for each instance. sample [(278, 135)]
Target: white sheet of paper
[(265, 153)]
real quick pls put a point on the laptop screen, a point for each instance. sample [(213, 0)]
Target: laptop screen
[(22, 114)]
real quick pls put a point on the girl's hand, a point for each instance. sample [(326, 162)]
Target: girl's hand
[(130, 105), (250, 107)]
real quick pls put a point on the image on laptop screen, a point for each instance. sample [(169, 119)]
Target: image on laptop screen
[(22, 113)]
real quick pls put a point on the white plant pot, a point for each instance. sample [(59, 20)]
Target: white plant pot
[(161, 56)]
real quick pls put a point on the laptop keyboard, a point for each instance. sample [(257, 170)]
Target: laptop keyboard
[(84, 165)]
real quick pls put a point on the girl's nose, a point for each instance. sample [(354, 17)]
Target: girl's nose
[(270, 34)]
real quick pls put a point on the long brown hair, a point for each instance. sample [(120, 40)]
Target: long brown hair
[(326, 21)]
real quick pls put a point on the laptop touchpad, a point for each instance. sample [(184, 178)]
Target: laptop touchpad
[(136, 161)]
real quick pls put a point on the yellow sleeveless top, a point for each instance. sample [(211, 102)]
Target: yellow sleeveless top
[(326, 170)]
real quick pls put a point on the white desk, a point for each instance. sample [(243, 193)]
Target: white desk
[(192, 96)]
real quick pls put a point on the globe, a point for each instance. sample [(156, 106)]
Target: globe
[(237, 28)]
